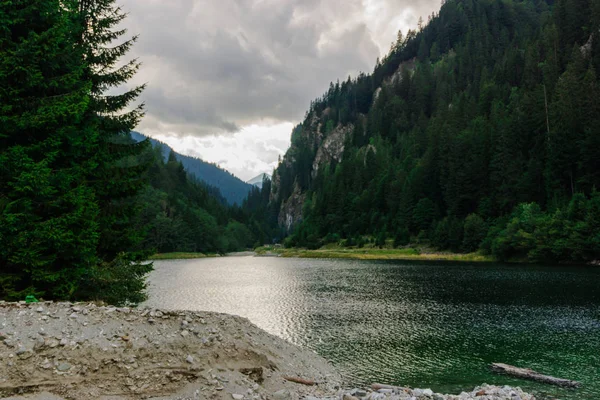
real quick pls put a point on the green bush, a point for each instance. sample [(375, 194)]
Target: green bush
[(475, 231)]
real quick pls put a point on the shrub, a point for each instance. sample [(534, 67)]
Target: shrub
[(475, 230)]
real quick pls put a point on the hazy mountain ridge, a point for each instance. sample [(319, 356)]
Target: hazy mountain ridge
[(233, 189)]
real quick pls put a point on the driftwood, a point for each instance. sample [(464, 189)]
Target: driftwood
[(527, 373), (377, 386), (300, 380)]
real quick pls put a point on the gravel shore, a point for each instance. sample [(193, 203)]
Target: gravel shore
[(56, 351)]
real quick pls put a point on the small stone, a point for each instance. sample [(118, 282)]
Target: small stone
[(21, 350), (76, 309), (184, 323), (110, 310), (73, 315), (360, 393), (282, 395), (39, 309), (44, 318), (63, 367), (150, 320), (185, 332), (189, 359), (428, 392), (237, 396), (63, 342), (39, 345), (85, 311)]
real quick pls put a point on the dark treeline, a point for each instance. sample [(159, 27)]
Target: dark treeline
[(178, 213), (81, 203), (484, 134)]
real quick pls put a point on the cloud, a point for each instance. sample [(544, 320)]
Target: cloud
[(216, 66), (247, 153)]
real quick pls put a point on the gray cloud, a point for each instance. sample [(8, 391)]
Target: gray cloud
[(213, 66)]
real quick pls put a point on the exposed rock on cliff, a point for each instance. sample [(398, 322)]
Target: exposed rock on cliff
[(290, 212), (332, 147)]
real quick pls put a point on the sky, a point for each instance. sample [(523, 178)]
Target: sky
[(228, 79)]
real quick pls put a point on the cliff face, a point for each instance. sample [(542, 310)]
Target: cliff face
[(323, 143), (332, 148), (290, 212), (313, 147)]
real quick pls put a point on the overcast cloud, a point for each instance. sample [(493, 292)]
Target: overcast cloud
[(216, 67)]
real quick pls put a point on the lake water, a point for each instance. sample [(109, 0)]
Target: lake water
[(436, 325)]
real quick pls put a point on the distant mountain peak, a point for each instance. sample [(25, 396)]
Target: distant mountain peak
[(258, 180)]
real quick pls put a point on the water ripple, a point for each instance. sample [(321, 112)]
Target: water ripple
[(421, 324)]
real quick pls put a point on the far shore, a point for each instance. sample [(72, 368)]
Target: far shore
[(337, 252), (373, 254)]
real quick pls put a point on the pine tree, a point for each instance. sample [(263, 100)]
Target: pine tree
[(48, 228), (120, 172)]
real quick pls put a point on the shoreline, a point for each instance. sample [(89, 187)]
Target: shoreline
[(406, 254), (83, 350)]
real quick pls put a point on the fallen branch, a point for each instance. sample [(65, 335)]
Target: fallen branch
[(377, 386), (300, 380), (527, 373)]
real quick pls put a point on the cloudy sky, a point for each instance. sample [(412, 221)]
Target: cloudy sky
[(228, 79)]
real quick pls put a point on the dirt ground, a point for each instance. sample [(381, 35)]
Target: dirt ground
[(56, 351)]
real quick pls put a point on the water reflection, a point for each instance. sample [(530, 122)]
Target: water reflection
[(421, 324)]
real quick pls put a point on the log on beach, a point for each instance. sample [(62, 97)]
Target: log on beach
[(527, 373)]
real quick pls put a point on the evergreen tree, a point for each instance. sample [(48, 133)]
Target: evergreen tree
[(48, 213)]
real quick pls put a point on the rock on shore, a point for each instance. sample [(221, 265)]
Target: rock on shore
[(55, 351)]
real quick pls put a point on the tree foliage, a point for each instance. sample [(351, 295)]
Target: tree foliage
[(491, 106)]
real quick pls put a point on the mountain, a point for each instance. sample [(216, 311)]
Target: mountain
[(478, 131), (233, 189), (258, 180)]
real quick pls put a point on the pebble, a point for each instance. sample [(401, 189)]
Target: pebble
[(282, 394), (189, 359), (237, 396), (40, 309), (185, 332), (63, 367)]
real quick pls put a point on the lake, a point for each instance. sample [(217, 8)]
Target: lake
[(423, 324)]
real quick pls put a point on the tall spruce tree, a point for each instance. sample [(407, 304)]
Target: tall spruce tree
[(48, 215), (120, 172)]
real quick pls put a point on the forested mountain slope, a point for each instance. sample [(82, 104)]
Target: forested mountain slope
[(481, 129), (233, 189)]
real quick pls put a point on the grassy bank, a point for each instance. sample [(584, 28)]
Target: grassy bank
[(373, 254), (179, 256)]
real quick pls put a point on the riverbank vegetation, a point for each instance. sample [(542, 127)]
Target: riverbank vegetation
[(477, 132), (179, 256), (410, 253)]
